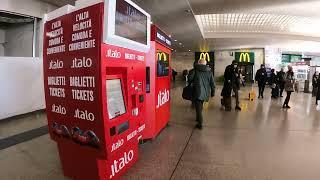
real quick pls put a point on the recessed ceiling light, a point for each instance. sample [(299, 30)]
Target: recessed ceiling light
[(189, 50), (170, 35), (175, 40), (151, 22), (180, 44)]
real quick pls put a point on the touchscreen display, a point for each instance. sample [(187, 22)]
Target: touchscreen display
[(115, 101), (130, 23)]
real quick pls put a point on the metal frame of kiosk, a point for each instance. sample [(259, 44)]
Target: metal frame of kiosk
[(158, 83), (95, 85)]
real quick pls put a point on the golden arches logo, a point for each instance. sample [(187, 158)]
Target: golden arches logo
[(160, 55), (205, 56), (244, 57)]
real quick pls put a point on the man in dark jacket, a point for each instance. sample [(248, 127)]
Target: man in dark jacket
[(281, 78), (203, 88), (230, 83), (261, 78)]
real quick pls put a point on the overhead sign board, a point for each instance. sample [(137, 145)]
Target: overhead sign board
[(244, 57)]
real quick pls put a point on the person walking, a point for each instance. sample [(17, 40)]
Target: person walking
[(261, 78), (203, 88), (318, 89), (289, 86), (274, 84), (230, 78), (236, 88), (281, 75), (315, 84)]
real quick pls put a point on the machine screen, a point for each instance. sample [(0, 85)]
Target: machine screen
[(130, 23), (115, 101), (162, 64)]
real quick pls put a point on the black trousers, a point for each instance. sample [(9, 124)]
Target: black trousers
[(261, 89), (199, 108), (281, 87), (236, 93), (286, 101)]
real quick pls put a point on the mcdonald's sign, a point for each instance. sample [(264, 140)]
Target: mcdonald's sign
[(161, 56), (244, 57), (208, 56)]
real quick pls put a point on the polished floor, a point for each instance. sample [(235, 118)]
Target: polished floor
[(262, 142)]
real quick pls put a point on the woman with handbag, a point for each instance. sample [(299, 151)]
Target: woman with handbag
[(203, 88), (289, 86)]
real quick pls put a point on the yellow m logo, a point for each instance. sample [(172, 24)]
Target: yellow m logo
[(161, 56), (244, 57), (205, 56)]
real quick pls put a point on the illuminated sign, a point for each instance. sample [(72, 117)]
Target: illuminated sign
[(161, 56), (244, 57), (205, 56), (160, 36), (208, 56)]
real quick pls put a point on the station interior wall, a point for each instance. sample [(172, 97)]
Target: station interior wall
[(21, 78)]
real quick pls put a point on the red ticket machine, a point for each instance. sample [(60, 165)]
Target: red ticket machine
[(158, 83), (95, 80)]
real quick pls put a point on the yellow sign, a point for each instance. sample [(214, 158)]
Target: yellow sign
[(205, 56), (160, 55), (244, 57)]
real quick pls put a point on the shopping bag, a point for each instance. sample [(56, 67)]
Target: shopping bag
[(187, 92)]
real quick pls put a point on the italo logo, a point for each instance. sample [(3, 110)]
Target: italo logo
[(163, 97), (162, 56), (244, 57), (205, 56), (121, 163), (113, 53)]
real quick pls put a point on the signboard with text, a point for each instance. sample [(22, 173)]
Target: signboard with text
[(95, 91)]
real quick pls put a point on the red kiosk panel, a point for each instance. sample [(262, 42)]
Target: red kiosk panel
[(158, 98), (95, 94)]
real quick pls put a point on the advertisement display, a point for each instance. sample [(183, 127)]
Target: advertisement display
[(95, 92), (158, 83)]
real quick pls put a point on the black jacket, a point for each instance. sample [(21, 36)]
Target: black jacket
[(203, 83), (274, 79), (314, 81), (281, 76), (261, 76), (230, 80)]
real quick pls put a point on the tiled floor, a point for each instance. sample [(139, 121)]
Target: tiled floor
[(262, 142)]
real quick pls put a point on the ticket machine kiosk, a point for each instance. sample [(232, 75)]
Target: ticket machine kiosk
[(95, 79), (158, 83)]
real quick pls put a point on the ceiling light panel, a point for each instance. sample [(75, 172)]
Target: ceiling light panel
[(257, 23)]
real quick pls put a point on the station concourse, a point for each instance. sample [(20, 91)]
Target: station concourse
[(96, 89)]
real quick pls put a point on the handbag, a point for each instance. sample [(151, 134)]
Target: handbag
[(187, 92)]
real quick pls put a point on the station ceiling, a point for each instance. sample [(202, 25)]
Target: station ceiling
[(232, 24)]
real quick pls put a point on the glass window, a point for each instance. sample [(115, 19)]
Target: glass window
[(162, 64)]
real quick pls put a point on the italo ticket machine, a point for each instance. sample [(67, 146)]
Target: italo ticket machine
[(158, 83), (95, 83)]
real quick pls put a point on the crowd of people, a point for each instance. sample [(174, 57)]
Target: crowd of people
[(203, 85)]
